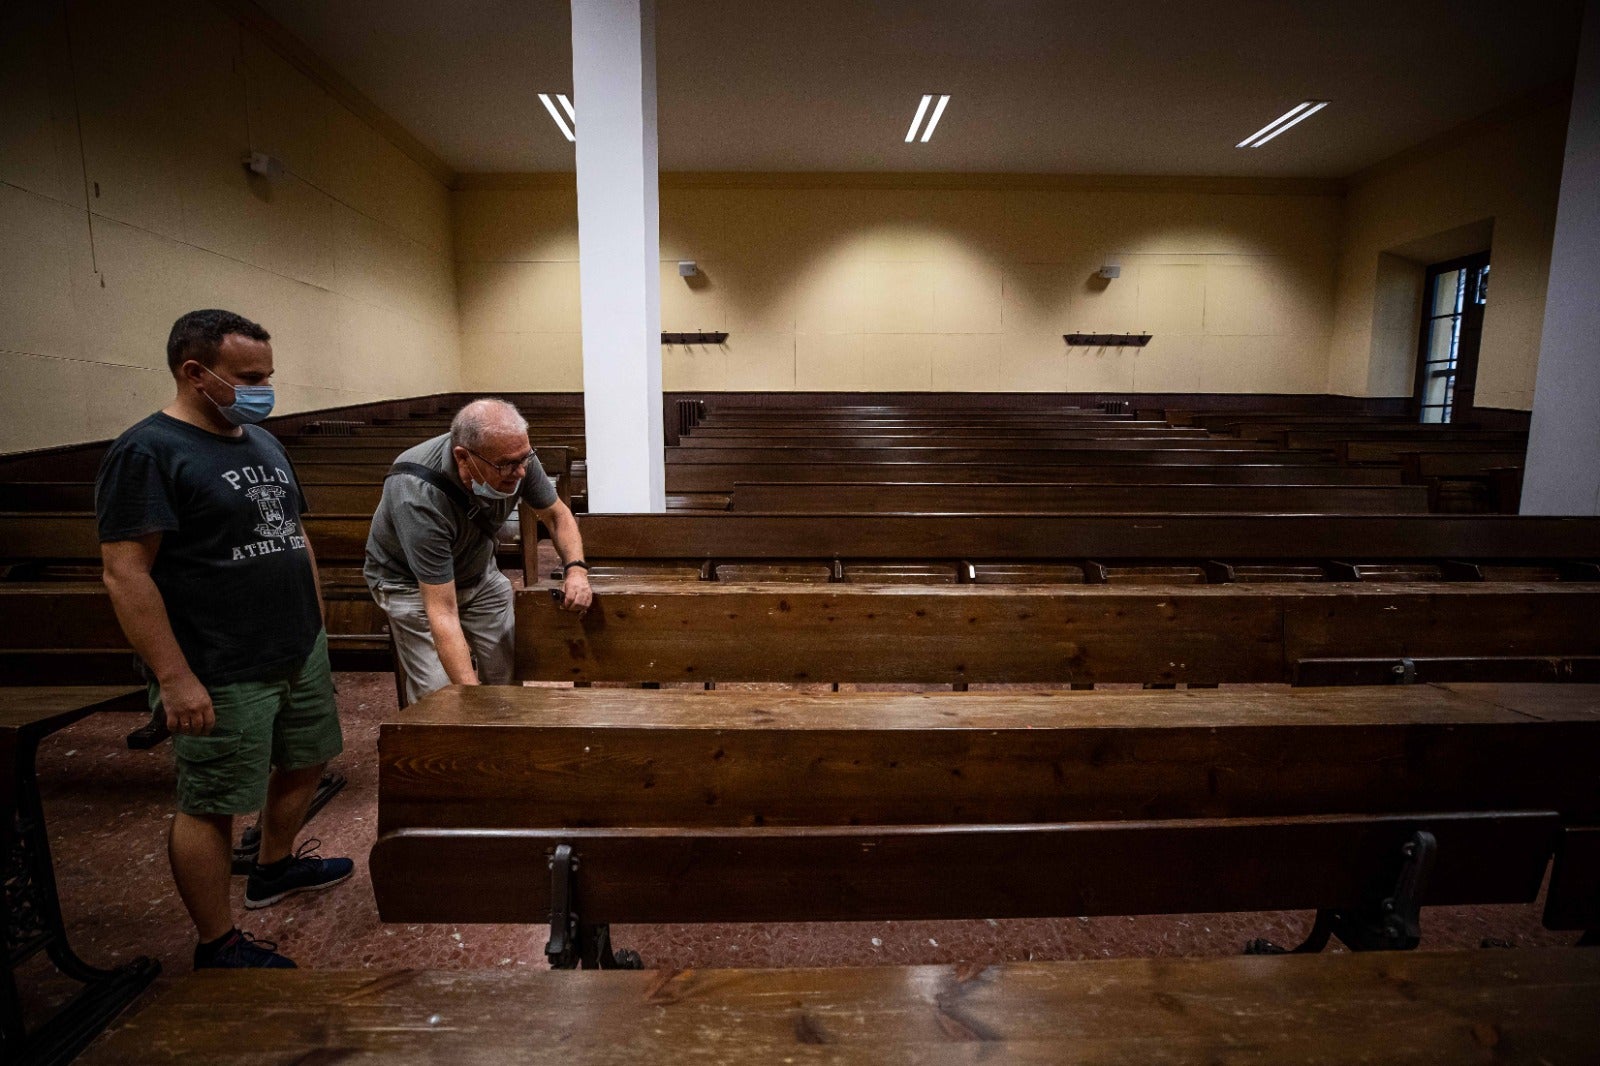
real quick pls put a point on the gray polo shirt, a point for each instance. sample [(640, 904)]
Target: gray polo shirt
[(419, 535)]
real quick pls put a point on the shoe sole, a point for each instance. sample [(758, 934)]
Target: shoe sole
[(257, 904)]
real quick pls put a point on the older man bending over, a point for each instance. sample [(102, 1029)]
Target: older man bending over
[(430, 555)]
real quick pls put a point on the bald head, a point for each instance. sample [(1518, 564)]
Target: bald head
[(480, 423)]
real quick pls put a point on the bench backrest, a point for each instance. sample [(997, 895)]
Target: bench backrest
[(639, 631), (721, 477), (1078, 498), (706, 807), (1189, 538)]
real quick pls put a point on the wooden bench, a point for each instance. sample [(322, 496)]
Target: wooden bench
[(586, 808), (644, 631), (1220, 547), (333, 498), (1081, 452), (1394, 451), (978, 437), (880, 498), (721, 477), (30, 908), (1528, 1008), (74, 537), (361, 497), (44, 554)]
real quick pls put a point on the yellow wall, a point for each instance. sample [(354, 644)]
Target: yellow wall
[(123, 204), (1503, 174), (849, 283)]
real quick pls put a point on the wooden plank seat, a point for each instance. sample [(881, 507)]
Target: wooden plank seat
[(314, 475), (1105, 499), (1105, 453), (1302, 438), (1231, 421), (680, 806), (359, 492), (1394, 451), (311, 448), (1427, 466), (373, 463), (348, 498), (1163, 633), (1525, 1008), (336, 539), (1570, 545), (688, 478), (962, 436), (57, 632), (34, 540)]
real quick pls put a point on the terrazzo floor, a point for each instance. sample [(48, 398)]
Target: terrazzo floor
[(108, 809)]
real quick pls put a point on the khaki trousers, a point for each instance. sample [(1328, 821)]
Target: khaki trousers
[(487, 619)]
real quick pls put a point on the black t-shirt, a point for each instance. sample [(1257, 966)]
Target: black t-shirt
[(233, 569)]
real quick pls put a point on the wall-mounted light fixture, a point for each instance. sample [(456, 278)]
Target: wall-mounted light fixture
[(263, 164), (1106, 340), (694, 338)]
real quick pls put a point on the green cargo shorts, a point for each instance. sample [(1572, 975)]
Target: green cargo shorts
[(290, 723)]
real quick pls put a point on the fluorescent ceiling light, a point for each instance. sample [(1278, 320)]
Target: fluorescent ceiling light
[(922, 109), (1290, 118), (561, 123), (933, 120)]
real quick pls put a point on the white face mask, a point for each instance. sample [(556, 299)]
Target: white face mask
[(489, 492)]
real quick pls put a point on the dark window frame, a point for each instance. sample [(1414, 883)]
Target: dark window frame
[(1476, 264)]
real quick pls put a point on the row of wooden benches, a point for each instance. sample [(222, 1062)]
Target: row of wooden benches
[(1507, 595)]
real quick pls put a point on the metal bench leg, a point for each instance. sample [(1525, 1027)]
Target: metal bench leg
[(1392, 923), (32, 914), (574, 944)]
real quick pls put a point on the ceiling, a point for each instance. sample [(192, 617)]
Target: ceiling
[(1037, 86)]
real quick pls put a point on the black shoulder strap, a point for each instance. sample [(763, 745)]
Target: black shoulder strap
[(475, 514)]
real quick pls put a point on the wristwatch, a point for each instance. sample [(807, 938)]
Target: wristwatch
[(568, 566)]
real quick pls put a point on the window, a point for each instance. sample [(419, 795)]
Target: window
[(1452, 320)]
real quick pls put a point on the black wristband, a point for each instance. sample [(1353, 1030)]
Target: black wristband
[(568, 566)]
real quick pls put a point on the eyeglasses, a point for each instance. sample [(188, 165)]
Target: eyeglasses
[(507, 468)]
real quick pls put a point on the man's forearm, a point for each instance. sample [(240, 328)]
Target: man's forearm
[(565, 536), (142, 614), (451, 643)]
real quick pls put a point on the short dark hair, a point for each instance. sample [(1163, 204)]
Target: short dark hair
[(198, 334)]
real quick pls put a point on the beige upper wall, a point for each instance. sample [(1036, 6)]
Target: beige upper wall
[(123, 204), (843, 284), (1503, 174)]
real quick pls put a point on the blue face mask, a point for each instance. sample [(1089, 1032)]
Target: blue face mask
[(251, 403)]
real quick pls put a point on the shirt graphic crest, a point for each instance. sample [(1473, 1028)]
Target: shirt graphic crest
[(274, 522)]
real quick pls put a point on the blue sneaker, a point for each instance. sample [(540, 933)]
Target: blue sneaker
[(241, 951), (307, 872)]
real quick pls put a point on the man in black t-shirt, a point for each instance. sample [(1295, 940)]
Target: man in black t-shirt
[(215, 584)]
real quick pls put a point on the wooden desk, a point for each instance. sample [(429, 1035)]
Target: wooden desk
[(1426, 1007), (29, 905)]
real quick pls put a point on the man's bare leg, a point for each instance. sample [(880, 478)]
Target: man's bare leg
[(200, 849), (289, 795)]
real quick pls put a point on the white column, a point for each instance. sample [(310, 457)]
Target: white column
[(614, 97), (1563, 471)]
